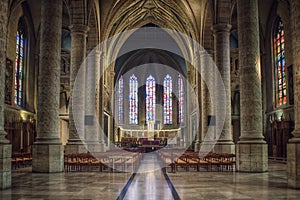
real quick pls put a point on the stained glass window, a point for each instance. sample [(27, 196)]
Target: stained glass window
[(150, 99), (280, 65), (180, 100), (133, 100), (121, 100), (168, 100), (19, 66), (66, 39)]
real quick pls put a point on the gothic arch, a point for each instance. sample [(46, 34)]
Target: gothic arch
[(207, 36), (278, 9), (138, 58), (126, 15), (21, 10), (93, 34)]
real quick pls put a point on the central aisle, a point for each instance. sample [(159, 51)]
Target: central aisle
[(149, 181)]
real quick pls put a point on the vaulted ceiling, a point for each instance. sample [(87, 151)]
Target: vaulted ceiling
[(175, 15)]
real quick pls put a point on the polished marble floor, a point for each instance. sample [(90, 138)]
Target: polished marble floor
[(149, 185)]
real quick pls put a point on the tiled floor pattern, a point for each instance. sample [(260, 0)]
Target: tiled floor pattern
[(231, 185), (151, 185)]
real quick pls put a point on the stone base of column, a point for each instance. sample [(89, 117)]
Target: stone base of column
[(226, 147), (182, 145), (251, 157), (207, 146), (73, 148), (293, 165), (197, 147), (95, 147), (47, 158), (5, 166)]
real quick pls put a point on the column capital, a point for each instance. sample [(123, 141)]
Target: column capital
[(94, 54), (206, 52), (296, 138), (97, 52), (3, 139), (197, 55), (79, 28), (222, 27)]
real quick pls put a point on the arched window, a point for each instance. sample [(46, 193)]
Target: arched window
[(133, 100), (168, 100), (21, 48), (66, 39), (150, 99), (280, 65), (121, 100), (180, 100)]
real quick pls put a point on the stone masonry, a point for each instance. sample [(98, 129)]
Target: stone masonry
[(252, 153), (5, 147), (293, 148), (48, 149)]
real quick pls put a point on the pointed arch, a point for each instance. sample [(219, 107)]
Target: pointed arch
[(121, 100), (20, 62), (167, 100), (280, 70), (180, 100), (133, 100), (150, 99)]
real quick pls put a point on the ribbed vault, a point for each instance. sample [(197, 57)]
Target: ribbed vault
[(174, 15)]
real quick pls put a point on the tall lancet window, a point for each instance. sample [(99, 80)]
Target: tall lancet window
[(21, 44), (150, 99), (133, 100), (180, 100), (280, 65), (168, 100), (121, 100)]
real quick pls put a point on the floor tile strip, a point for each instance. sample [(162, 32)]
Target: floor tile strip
[(171, 186), (126, 187)]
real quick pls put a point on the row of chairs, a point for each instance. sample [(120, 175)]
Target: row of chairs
[(21, 160), (191, 160), (104, 161)]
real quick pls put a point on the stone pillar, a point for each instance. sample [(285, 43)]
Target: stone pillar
[(293, 147), (198, 81), (187, 128), (100, 100), (111, 118), (222, 59), (91, 122), (76, 142), (48, 149), (5, 147), (252, 152), (207, 99)]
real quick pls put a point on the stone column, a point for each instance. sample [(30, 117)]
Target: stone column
[(111, 118), (76, 142), (222, 59), (91, 115), (100, 100), (252, 153), (199, 95), (48, 149), (293, 147), (5, 147), (207, 99), (187, 127)]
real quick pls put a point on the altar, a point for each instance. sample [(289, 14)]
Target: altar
[(152, 145)]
